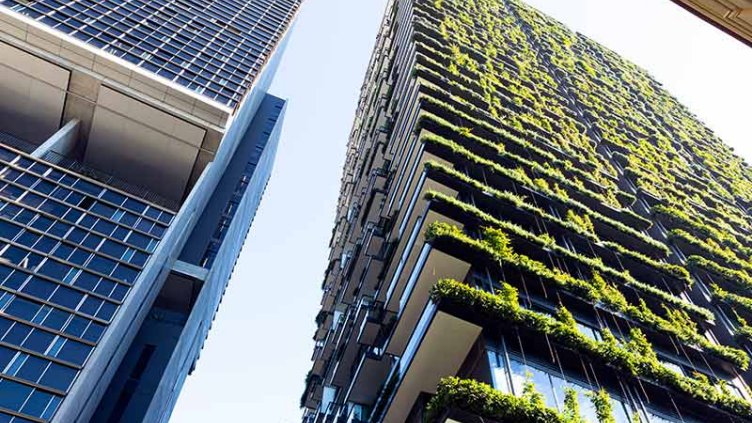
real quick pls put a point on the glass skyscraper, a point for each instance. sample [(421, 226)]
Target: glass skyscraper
[(530, 228), (136, 141)]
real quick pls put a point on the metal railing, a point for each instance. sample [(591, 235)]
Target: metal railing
[(17, 143), (107, 179)]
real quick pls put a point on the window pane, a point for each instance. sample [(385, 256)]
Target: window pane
[(587, 409), (518, 375), (543, 385), (58, 377), (32, 369), (499, 372), (13, 394)]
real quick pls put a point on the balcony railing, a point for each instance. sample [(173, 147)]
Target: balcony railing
[(17, 143), (110, 180)]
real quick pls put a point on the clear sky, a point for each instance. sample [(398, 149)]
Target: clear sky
[(258, 352)]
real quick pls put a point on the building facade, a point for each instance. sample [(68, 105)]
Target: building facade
[(530, 228), (732, 16), (136, 141)]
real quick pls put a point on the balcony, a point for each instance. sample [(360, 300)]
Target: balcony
[(370, 373), (431, 266), (437, 348), (412, 226)]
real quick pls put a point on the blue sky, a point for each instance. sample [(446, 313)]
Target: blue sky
[(254, 362)]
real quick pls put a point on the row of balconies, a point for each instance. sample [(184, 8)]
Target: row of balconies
[(401, 331)]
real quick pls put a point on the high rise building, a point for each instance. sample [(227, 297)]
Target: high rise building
[(136, 140), (731, 16), (530, 228)]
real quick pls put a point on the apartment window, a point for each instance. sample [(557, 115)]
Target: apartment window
[(327, 399), (510, 373)]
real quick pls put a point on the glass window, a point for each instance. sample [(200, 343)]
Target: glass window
[(39, 288), (23, 309), (499, 372), (13, 394), (559, 386), (63, 251), (67, 297), (15, 280), (88, 187), (138, 258), (93, 332), (38, 340), (58, 377), (41, 314), (134, 205), (4, 272), (92, 241), (106, 311), (6, 355), (587, 409), (42, 223), (87, 221), (60, 229), (56, 346), (56, 319), (655, 418), (45, 244), (8, 230), (79, 256), (138, 240), (113, 249), (37, 403), (120, 233), (51, 408), (620, 413), (17, 334), (589, 331), (54, 269), (128, 219), (74, 352), (543, 384), (104, 287), (673, 366), (103, 209), (125, 273), (86, 280), (518, 375), (16, 363), (113, 197), (119, 293), (101, 265), (104, 227), (32, 369)]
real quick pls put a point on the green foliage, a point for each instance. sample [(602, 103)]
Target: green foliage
[(603, 408), (739, 278), (503, 98), (582, 288), (566, 317), (485, 401), (636, 357), (531, 394), (583, 222), (735, 300), (571, 412), (499, 241), (521, 177), (497, 245)]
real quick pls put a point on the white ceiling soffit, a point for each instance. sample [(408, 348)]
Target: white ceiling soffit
[(142, 145), (32, 94)]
